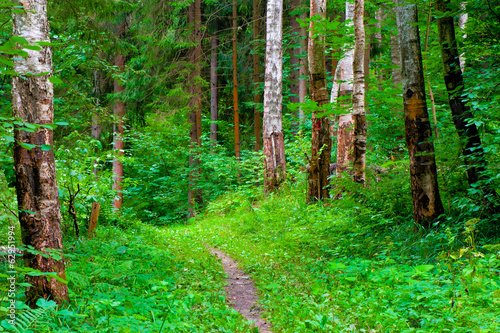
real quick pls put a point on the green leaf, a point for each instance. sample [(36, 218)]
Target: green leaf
[(56, 80), (424, 268), (62, 123), (19, 40), (8, 138), (26, 145), (32, 47), (6, 62), (46, 147), (44, 303)]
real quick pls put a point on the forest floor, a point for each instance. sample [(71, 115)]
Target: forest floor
[(330, 267)]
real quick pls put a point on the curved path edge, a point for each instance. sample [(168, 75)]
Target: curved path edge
[(241, 291)]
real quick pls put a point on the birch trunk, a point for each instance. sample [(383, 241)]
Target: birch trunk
[(36, 185), (319, 166), (214, 109), (358, 98), (274, 144), (256, 76), (118, 132), (345, 133), (462, 115), (423, 175)]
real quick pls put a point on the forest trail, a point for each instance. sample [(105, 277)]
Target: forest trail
[(241, 291)]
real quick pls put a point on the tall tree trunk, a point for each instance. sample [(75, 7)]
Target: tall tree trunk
[(302, 68), (358, 98), (256, 77), (214, 108), (96, 117), (274, 144), (462, 22), (294, 64), (423, 176), (431, 95), (462, 115), (319, 165), (345, 133), (36, 185), (118, 133), (194, 194), (395, 61), (235, 82)]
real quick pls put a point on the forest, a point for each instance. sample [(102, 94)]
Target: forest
[(250, 166)]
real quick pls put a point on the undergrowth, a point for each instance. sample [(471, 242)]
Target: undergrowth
[(139, 279), (340, 267)]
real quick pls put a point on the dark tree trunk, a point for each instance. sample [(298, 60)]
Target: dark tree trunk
[(295, 65), (118, 133), (423, 175), (36, 185), (194, 194), (235, 82), (256, 77), (319, 165), (214, 108), (462, 115)]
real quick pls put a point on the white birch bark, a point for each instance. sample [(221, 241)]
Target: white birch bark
[(36, 184), (358, 97), (274, 146), (345, 135)]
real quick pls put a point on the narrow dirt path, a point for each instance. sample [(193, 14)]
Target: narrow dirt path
[(241, 291)]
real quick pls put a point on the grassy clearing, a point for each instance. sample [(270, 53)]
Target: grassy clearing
[(140, 280), (331, 268)]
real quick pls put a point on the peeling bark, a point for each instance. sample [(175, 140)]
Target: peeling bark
[(36, 184), (345, 133), (319, 170), (358, 97), (427, 203), (274, 144)]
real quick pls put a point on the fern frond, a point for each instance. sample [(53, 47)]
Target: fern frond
[(28, 318)]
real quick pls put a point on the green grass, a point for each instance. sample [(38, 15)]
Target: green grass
[(143, 279), (333, 268)]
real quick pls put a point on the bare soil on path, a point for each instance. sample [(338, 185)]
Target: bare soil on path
[(241, 291)]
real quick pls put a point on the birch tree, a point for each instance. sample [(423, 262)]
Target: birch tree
[(319, 165), (358, 97), (344, 74), (36, 185), (423, 174), (274, 144)]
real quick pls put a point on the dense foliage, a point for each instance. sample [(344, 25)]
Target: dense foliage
[(351, 263)]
